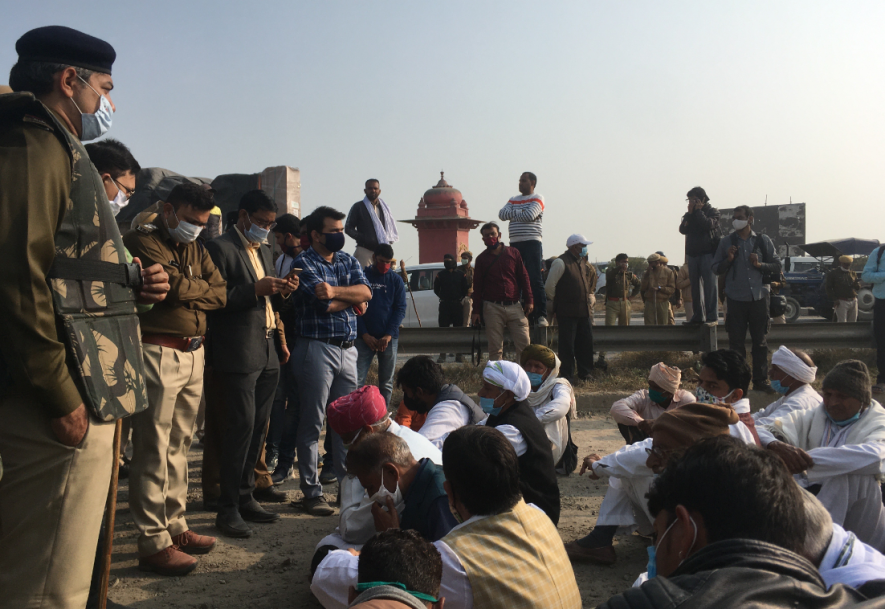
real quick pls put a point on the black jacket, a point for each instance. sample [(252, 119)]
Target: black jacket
[(237, 339), (360, 228), (701, 230), (740, 573), (537, 477)]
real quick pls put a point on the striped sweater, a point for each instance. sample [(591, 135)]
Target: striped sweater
[(525, 213)]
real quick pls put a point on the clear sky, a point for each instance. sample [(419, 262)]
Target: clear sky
[(618, 107)]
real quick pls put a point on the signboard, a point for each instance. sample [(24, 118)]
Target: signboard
[(784, 225)]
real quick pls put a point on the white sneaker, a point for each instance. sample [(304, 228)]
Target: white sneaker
[(542, 322)]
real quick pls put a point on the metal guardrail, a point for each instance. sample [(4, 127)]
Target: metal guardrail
[(706, 337)]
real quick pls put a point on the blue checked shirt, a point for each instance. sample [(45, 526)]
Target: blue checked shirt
[(312, 320)]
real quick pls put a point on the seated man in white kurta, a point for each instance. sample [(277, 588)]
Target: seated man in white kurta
[(791, 373), (552, 397), (630, 472), (725, 380), (354, 417), (836, 450), (504, 554), (634, 414)]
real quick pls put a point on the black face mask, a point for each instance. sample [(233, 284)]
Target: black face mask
[(450, 265), (415, 404)]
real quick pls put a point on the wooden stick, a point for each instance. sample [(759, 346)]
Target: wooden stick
[(110, 513), (402, 266)]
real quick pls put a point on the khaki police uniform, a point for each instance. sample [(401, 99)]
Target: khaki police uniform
[(52, 496), (657, 301), (620, 286), (172, 333)]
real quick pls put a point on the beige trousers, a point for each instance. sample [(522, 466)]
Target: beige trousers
[(363, 255), (846, 310), (52, 498), (161, 437), (661, 317), (617, 311), (497, 318), (467, 303)]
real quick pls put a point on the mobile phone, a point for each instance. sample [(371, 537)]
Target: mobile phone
[(293, 273)]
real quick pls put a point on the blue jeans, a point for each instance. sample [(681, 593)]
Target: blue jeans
[(533, 257), (324, 373), (386, 366), (284, 416), (700, 268)]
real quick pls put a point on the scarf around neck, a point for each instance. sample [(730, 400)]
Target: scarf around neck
[(386, 233)]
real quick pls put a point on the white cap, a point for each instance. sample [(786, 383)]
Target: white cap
[(576, 239)]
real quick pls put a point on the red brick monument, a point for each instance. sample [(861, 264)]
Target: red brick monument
[(443, 223)]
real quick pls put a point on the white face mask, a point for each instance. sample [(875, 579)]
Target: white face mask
[(95, 125), (256, 234), (381, 496), (739, 224), (185, 232), (119, 202)]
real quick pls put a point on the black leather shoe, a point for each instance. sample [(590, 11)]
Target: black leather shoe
[(253, 512), (232, 525), (270, 495)]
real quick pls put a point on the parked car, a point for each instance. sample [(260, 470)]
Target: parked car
[(421, 278), (805, 278)]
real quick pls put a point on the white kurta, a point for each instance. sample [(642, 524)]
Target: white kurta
[(444, 418), (629, 478), (552, 415), (356, 523), (847, 464), (803, 398)]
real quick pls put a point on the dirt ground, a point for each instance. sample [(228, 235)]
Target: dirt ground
[(270, 569)]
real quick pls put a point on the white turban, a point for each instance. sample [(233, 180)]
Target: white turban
[(787, 361), (508, 376)]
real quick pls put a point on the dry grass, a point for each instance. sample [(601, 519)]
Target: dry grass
[(629, 371)]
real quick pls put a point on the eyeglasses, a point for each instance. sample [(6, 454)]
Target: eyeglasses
[(657, 452), (264, 225), (127, 191)]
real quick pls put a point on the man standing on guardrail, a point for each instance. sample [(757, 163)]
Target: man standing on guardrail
[(500, 276), (748, 261), (620, 286), (842, 286), (700, 225), (525, 212), (874, 272), (571, 285)]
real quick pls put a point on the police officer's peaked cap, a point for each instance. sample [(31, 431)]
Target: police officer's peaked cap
[(60, 44)]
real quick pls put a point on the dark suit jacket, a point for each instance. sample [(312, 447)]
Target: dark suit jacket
[(237, 339)]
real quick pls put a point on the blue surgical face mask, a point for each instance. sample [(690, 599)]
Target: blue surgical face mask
[(778, 386), (583, 251), (95, 125), (652, 566), (488, 405), (334, 241), (255, 233), (847, 421), (535, 379)]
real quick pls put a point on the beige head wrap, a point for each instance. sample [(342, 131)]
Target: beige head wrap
[(666, 377)]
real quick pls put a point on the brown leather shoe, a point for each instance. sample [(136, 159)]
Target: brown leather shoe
[(168, 562), (191, 543), (600, 556)]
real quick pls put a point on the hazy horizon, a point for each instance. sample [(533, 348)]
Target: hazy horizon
[(618, 108)]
